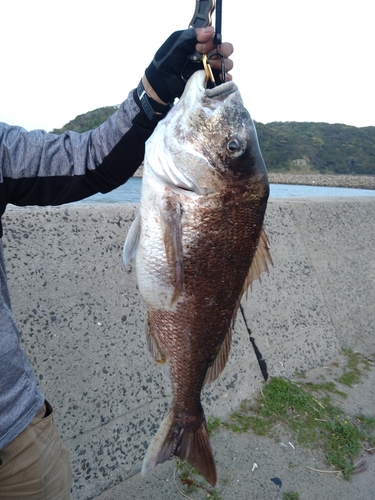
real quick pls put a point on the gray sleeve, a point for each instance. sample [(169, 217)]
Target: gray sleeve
[(39, 154), (38, 168)]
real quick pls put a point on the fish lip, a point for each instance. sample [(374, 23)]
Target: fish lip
[(222, 90)]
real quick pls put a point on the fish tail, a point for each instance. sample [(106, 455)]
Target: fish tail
[(191, 442)]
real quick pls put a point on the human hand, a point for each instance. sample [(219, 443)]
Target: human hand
[(163, 81), (205, 45)]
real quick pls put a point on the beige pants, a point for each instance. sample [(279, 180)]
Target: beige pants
[(35, 465)]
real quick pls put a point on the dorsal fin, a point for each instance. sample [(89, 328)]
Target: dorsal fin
[(262, 259), (221, 359)]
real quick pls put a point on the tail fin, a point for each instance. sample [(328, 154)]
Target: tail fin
[(191, 442)]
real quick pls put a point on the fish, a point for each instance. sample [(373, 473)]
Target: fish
[(199, 242)]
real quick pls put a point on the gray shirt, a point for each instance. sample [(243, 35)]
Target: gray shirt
[(37, 168)]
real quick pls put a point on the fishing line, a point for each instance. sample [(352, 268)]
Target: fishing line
[(262, 362)]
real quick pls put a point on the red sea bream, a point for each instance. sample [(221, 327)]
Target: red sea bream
[(199, 242)]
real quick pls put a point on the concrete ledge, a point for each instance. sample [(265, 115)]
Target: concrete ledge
[(82, 320)]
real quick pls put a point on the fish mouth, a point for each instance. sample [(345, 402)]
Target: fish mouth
[(222, 91)]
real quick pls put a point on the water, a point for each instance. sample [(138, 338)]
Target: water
[(293, 190), (130, 192)]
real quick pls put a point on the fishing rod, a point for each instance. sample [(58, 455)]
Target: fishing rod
[(202, 17), (262, 362)]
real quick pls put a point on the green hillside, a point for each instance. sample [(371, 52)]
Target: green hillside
[(304, 147), (87, 121), (317, 147)]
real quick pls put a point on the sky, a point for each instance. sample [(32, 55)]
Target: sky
[(294, 60)]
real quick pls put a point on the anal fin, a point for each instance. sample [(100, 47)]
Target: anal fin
[(155, 351)]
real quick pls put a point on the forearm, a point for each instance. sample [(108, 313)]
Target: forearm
[(47, 169)]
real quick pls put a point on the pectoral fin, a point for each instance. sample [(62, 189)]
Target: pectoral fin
[(172, 233), (262, 259), (132, 240)]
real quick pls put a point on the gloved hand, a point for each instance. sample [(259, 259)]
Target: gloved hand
[(172, 59)]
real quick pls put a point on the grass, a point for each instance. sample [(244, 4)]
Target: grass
[(307, 410), (192, 481), (291, 496), (354, 369), (213, 423), (312, 420)]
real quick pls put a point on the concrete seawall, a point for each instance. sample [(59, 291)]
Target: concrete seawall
[(82, 319)]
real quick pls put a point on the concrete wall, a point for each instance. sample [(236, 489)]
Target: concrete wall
[(82, 320)]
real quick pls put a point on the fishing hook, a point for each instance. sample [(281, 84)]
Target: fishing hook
[(208, 70)]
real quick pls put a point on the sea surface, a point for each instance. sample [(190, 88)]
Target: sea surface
[(131, 191)]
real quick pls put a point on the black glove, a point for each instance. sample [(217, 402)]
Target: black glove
[(171, 66)]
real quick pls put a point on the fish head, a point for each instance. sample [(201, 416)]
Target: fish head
[(207, 142)]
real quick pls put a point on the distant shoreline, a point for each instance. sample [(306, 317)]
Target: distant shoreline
[(346, 181)]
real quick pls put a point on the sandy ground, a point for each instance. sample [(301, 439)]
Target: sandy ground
[(281, 467)]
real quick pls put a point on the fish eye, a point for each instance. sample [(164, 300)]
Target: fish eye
[(236, 146)]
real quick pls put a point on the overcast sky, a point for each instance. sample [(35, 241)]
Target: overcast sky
[(294, 60)]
